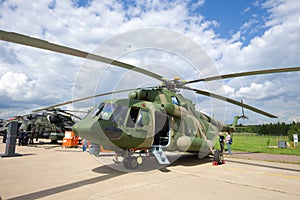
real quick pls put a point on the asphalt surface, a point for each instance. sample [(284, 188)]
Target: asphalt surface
[(50, 172), (267, 157)]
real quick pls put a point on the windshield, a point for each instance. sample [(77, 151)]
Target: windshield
[(107, 110), (119, 114), (95, 111)]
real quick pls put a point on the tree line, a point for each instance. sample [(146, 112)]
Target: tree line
[(279, 129)]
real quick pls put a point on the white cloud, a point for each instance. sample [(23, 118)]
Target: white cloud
[(277, 47), (17, 86), (256, 90), (227, 90)]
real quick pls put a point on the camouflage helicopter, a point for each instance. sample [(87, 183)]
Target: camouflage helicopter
[(2, 126), (50, 124), (151, 120)]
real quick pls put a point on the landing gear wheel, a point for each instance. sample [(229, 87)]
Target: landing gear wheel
[(130, 162), (125, 163), (218, 155)]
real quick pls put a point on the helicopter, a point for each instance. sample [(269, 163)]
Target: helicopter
[(151, 120), (49, 124), (2, 126)]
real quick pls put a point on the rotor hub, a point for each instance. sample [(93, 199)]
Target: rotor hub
[(173, 85)]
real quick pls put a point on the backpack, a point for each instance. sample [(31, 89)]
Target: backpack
[(230, 141)]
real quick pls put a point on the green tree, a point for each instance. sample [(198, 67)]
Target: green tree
[(294, 129)]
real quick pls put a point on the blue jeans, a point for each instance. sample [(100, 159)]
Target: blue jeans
[(84, 146), (228, 147)]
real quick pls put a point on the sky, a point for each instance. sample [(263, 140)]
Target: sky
[(191, 39)]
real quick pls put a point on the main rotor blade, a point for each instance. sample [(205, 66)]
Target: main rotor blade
[(70, 114), (77, 111), (81, 99), (251, 73), (42, 44), (232, 101)]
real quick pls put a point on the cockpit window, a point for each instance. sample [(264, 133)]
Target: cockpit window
[(96, 110), (138, 118), (107, 111), (104, 111), (119, 114), (175, 100), (134, 111), (143, 118)]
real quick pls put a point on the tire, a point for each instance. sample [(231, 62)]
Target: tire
[(218, 157), (130, 163), (125, 163)]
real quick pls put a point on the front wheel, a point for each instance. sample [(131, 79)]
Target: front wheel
[(130, 162)]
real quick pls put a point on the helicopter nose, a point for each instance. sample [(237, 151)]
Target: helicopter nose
[(88, 129)]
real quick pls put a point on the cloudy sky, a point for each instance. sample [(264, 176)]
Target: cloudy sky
[(234, 36)]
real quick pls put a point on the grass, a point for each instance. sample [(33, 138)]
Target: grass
[(259, 144)]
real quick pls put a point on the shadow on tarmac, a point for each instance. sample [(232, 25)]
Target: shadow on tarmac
[(150, 163), (187, 160), (109, 171), (71, 186), (191, 160)]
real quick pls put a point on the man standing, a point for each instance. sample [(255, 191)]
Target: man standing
[(25, 138), (20, 137), (228, 142), (221, 140), (4, 136)]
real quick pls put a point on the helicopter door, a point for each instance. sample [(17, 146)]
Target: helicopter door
[(139, 123), (161, 129)]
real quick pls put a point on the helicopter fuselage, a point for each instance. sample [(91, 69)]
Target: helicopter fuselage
[(149, 118)]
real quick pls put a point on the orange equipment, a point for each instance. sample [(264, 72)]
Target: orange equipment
[(70, 140)]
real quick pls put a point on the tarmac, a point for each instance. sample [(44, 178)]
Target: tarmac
[(47, 171), (280, 158)]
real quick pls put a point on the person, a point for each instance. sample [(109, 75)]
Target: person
[(116, 159), (228, 137), (221, 140), (31, 137), (4, 136), (20, 137), (25, 138), (84, 145)]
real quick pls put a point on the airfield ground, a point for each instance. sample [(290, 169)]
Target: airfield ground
[(50, 172)]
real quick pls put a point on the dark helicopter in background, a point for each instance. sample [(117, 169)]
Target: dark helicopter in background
[(151, 120), (49, 124)]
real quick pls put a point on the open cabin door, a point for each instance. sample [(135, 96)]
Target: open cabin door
[(162, 129)]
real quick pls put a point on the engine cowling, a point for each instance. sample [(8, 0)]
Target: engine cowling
[(175, 110)]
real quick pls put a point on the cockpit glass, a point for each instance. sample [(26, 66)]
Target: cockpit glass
[(175, 100), (119, 114), (95, 111), (107, 111)]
